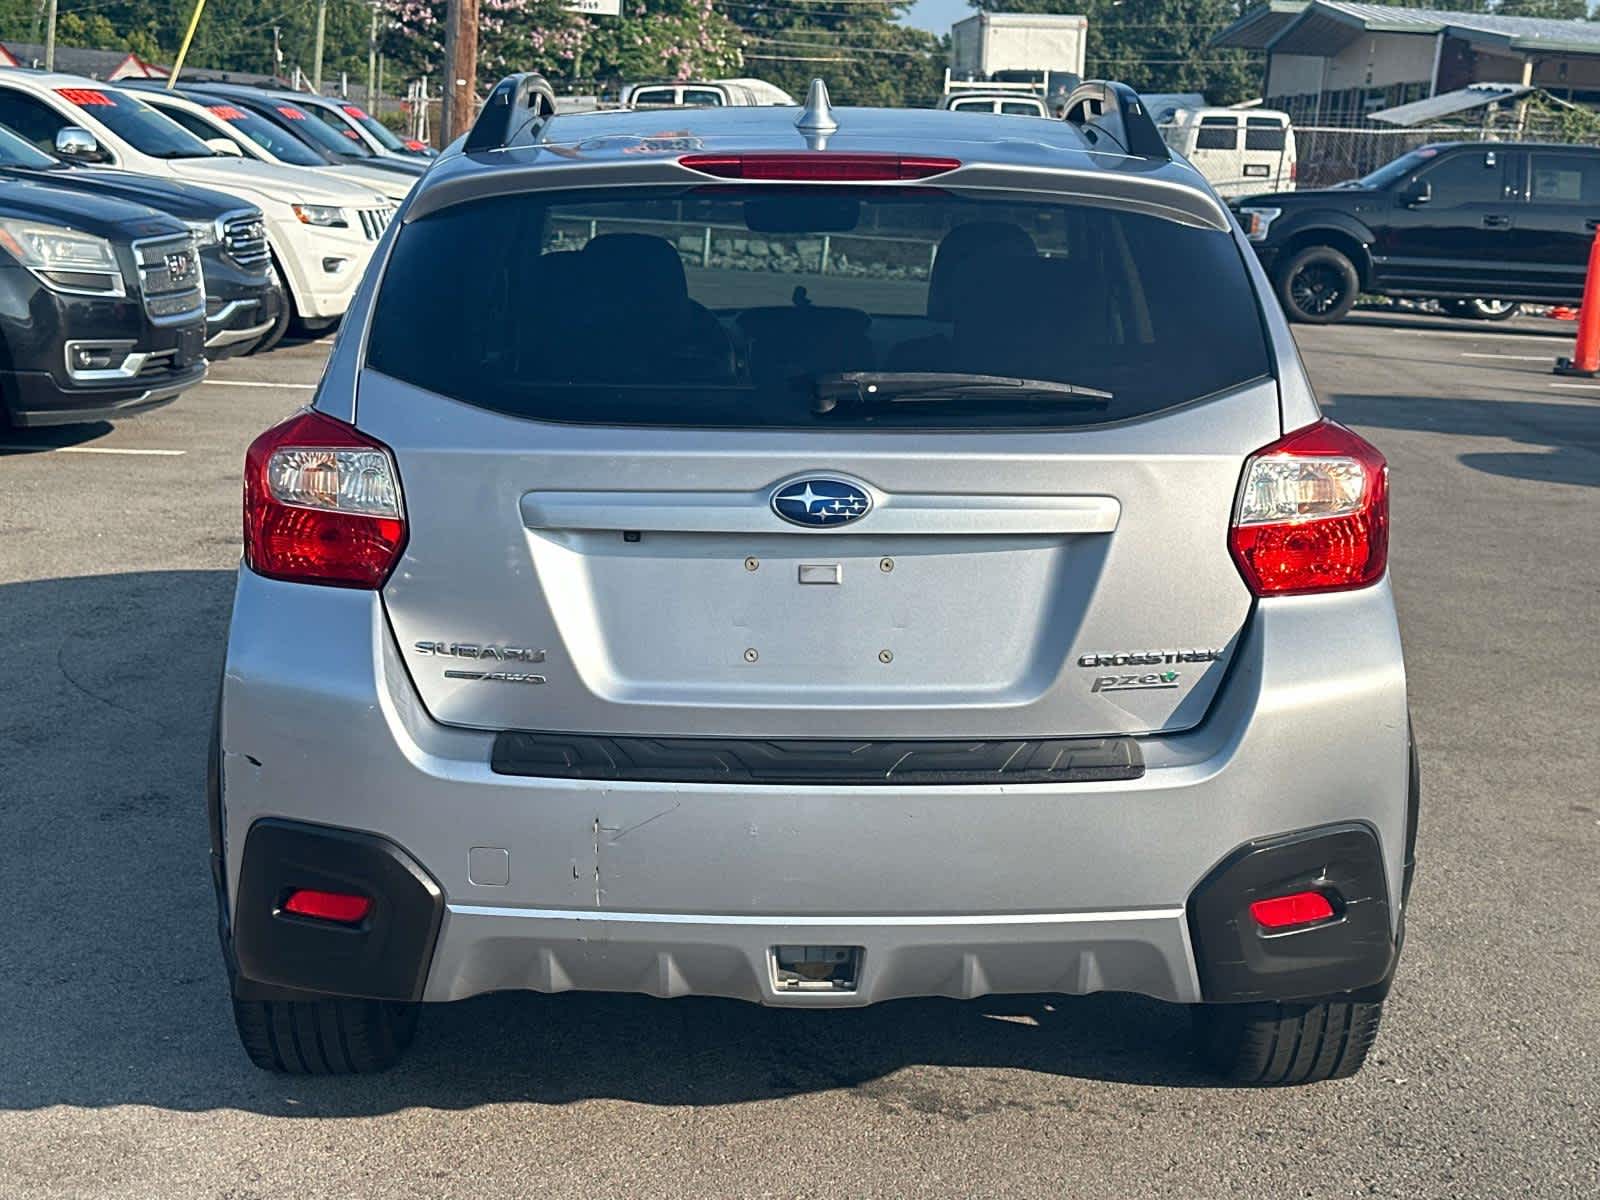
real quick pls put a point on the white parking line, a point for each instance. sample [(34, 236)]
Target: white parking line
[(1578, 387), (304, 387), (94, 450), (1512, 357), (1466, 333)]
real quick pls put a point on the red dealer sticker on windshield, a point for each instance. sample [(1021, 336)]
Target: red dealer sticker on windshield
[(294, 114), (86, 97), (352, 110), (227, 112)]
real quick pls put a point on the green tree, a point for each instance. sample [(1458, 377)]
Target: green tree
[(1560, 10), (652, 39), (93, 31), (860, 48)]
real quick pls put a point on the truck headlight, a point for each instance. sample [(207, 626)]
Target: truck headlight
[(65, 259), (1257, 221), (205, 233), (321, 214)]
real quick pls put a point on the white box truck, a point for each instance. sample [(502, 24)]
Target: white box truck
[(987, 45), (1039, 53)]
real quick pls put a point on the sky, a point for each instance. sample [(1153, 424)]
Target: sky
[(938, 15)]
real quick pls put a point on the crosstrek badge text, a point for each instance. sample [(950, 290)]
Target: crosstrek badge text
[(1150, 658)]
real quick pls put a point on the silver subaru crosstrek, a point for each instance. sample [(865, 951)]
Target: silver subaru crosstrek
[(814, 556)]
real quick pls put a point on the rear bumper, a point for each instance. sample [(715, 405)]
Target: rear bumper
[(686, 888)]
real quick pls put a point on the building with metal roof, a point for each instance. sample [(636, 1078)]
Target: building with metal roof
[(78, 60), (1332, 62)]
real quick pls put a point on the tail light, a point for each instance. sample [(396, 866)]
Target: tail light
[(1288, 912), (343, 907), (819, 165), (1312, 514), (1294, 170), (322, 504)]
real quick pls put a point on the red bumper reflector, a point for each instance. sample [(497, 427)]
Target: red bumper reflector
[(1284, 912), (328, 906), (819, 165)]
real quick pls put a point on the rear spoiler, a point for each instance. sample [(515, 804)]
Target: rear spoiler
[(1114, 110), (525, 95)]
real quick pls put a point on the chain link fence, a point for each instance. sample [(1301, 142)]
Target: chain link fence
[(1332, 154)]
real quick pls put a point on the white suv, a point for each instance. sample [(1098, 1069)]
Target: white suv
[(219, 122), (322, 231)]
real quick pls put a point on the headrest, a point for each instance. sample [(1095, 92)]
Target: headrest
[(976, 239), (639, 270), (1016, 300)]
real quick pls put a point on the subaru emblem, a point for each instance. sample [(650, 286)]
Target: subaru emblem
[(820, 502)]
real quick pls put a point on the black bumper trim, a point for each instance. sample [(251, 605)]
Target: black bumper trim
[(41, 400), (386, 957), (821, 762), (1356, 952)]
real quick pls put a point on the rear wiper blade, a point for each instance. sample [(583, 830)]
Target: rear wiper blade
[(918, 387)]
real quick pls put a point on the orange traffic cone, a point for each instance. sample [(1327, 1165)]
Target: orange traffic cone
[(1585, 358)]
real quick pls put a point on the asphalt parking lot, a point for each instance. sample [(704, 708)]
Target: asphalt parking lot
[(119, 1070)]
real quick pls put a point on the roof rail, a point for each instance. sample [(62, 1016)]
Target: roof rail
[(1115, 110), (527, 93)]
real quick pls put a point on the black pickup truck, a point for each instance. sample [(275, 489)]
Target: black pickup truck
[(102, 309), (246, 308), (1477, 225)]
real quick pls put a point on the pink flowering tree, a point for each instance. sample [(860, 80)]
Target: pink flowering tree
[(653, 39)]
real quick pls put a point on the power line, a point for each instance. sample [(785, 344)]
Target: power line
[(795, 45), (798, 58)]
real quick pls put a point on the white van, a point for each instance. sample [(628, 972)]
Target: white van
[(1240, 151), (1017, 104), (708, 93)]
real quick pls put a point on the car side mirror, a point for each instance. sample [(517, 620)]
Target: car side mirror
[(225, 146), (75, 142), (1417, 192)]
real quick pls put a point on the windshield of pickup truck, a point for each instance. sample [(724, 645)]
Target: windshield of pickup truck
[(136, 123), (813, 307), (14, 152), (1397, 169)]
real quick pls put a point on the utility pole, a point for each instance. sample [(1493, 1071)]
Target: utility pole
[(372, 62), (461, 68), (316, 54), (277, 54), (50, 38)]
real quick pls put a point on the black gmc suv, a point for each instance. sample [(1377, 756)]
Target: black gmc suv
[(1478, 225), (102, 309), (246, 308)]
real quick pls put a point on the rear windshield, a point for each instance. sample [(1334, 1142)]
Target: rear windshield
[(1217, 133), (1264, 133), (814, 307)]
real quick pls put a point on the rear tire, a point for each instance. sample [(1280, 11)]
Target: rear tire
[(1318, 286), (1483, 310), (333, 1036), (1269, 1045)]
